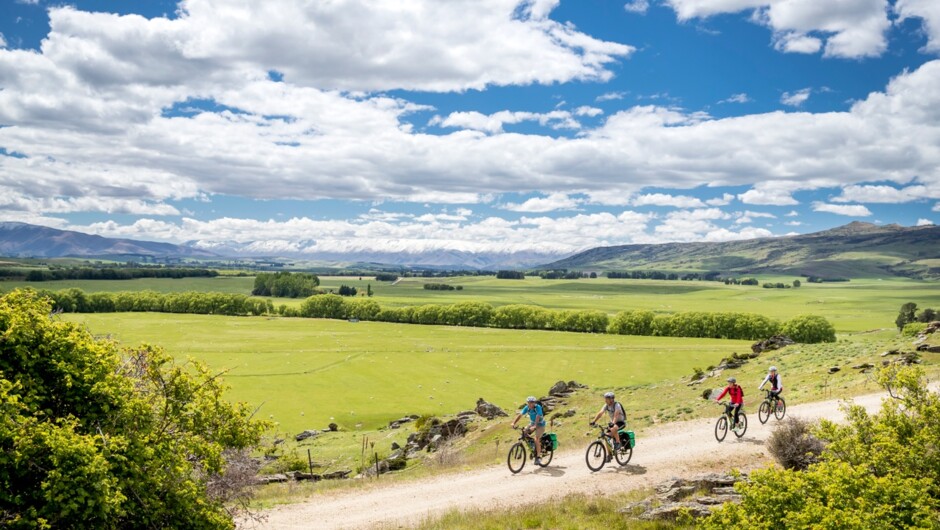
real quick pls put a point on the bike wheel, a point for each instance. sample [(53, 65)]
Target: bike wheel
[(742, 420), (721, 428), (516, 458), (623, 455), (763, 414), (547, 455), (781, 409), (596, 456)]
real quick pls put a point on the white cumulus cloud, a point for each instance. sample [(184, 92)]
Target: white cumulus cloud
[(843, 28), (924, 222), (637, 6), (554, 201), (851, 210), (796, 98)]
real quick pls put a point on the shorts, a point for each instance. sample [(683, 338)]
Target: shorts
[(619, 424)]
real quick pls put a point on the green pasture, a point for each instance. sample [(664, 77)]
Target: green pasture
[(305, 373), (859, 305)]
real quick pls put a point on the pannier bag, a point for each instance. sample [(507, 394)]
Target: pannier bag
[(627, 437), (550, 438)]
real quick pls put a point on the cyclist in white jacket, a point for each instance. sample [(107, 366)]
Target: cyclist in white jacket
[(776, 384)]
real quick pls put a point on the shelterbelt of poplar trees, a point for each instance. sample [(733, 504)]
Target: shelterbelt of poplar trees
[(694, 324)]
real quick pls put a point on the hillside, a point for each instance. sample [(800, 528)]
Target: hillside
[(851, 251), (25, 240)]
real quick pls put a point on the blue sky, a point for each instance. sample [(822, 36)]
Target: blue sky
[(536, 126)]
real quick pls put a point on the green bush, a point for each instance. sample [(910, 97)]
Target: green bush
[(636, 322), (912, 329), (98, 438), (809, 329)]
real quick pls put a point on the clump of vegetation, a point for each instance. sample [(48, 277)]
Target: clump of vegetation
[(345, 290), (386, 277), (912, 329), (109, 439), (908, 314), (809, 329), (793, 444), (286, 284), (878, 471), (442, 287)]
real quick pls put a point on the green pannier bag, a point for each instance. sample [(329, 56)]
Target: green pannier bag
[(551, 436), (628, 435)]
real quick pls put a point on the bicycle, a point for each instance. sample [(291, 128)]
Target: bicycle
[(599, 450), (517, 453), (726, 418), (779, 408)]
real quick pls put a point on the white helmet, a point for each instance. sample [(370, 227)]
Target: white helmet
[(773, 368), (530, 399), (609, 395)]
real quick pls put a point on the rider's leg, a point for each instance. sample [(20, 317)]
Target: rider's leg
[(612, 432), (737, 410), (539, 431)]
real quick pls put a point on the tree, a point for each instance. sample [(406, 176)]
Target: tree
[(809, 329), (369, 290), (905, 315), (797, 283), (102, 438), (345, 290)]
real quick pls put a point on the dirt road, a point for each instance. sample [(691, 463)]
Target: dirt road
[(671, 450)]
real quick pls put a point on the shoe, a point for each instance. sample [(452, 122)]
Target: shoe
[(616, 447), (538, 461)]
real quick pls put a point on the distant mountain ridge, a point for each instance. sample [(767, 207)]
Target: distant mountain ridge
[(26, 240), (854, 250), (31, 241)]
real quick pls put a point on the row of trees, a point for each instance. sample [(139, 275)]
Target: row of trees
[(77, 301), (115, 273), (781, 285), (743, 326), (286, 284), (442, 287)]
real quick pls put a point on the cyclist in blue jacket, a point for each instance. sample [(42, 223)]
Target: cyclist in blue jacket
[(533, 410)]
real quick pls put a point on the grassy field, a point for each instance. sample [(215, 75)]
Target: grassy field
[(309, 372), (859, 305)]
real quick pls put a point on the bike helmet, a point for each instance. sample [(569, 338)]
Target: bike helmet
[(609, 395), (530, 399), (732, 380), (773, 368)]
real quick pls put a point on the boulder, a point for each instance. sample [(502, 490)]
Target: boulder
[(834, 369), (336, 475), (863, 366), (395, 446), (333, 427), (574, 385), (671, 511), (679, 493), (928, 348), (773, 343), (567, 414), (272, 479), (717, 500), (891, 352), (558, 388), (488, 410), (306, 435)]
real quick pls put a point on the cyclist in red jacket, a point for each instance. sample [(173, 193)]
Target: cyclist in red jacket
[(736, 393)]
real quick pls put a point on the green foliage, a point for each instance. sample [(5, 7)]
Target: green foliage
[(386, 277), (809, 329), (323, 306), (116, 273), (439, 287), (694, 324), (285, 284), (345, 290), (830, 495), (912, 329), (906, 315), (76, 301), (95, 437)]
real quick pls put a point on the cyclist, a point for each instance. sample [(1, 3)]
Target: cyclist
[(533, 410), (618, 418), (736, 393), (776, 385)]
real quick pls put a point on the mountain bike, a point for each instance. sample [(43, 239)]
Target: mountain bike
[(726, 419), (779, 408), (599, 451), (517, 453)]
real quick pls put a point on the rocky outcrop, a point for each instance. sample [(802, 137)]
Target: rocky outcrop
[(401, 421), (312, 433), (697, 496), (488, 410), (773, 343), (431, 436)]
